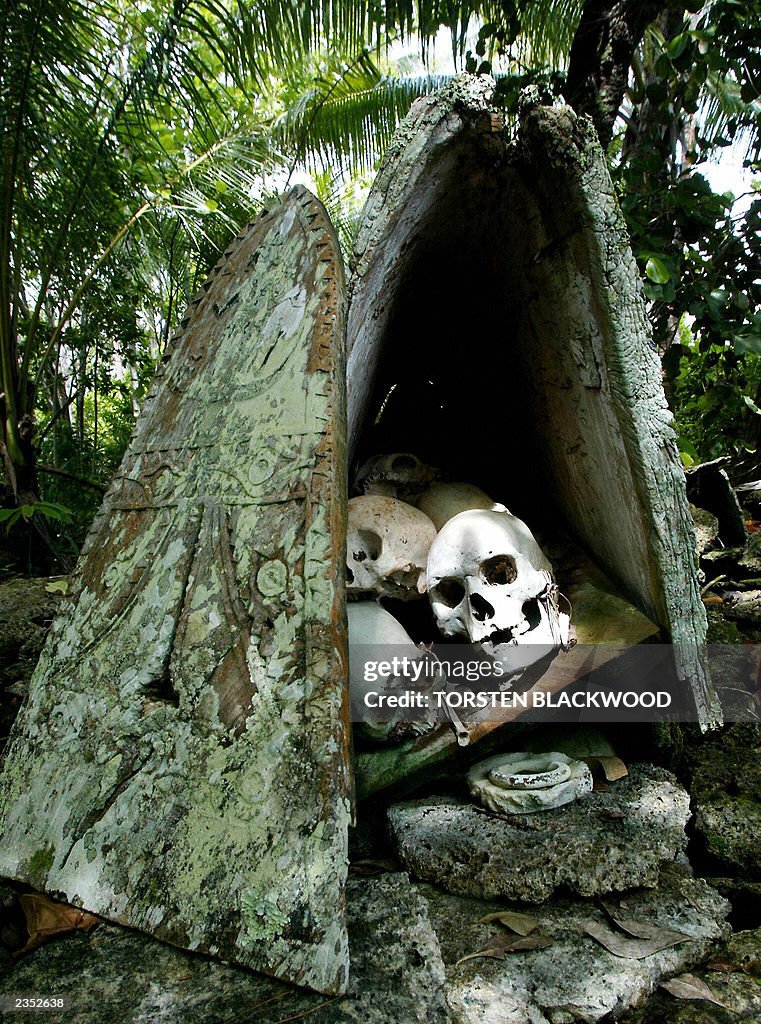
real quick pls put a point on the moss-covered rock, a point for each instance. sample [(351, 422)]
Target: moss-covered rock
[(739, 989), (726, 796), (27, 608)]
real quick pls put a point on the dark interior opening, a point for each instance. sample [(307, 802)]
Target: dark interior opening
[(450, 384), (463, 301)]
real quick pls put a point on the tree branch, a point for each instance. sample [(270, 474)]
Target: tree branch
[(54, 471)]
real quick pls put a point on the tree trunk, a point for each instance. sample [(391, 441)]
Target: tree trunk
[(601, 56)]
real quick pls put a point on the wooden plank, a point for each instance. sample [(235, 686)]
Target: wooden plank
[(181, 764)]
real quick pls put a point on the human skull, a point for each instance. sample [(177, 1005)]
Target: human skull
[(375, 634), (489, 580), (399, 475), (387, 547), (441, 502)]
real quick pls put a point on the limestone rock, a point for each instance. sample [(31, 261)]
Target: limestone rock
[(745, 898), (747, 608), (116, 974), (750, 563), (726, 794), (608, 842), (26, 611), (740, 992), (706, 529), (574, 978)]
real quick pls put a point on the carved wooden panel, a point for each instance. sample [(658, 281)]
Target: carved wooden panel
[(181, 763)]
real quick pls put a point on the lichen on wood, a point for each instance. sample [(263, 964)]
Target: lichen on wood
[(181, 764)]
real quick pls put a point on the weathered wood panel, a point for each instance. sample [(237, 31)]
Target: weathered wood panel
[(181, 764), (558, 369)]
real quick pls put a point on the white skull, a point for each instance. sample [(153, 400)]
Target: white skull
[(441, 502), (387, 547), (489, 580), (375, 634)]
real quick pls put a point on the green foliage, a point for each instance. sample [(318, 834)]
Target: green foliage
[(711, 392), (695, 89), (47, 509), (135, 141), (137, 138)]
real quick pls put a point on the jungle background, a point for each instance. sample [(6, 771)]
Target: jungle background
[(137, 136)]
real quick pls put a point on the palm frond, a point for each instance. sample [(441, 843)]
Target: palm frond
[(350, 122), (546, 32)]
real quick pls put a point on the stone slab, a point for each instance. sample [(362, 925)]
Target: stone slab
[(397, 974), (607, 842), (739, 990), (574, 978), (726, 798)]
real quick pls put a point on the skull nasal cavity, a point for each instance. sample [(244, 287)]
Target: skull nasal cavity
[(481, 609), (371, 546), (499, 570), (532, 612)]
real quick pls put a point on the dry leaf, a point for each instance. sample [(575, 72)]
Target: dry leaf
[(613, 768), (497, 953), (633, 948), (687, 986), (57, 587), (525, 942), (528, 942), (521, 924), (642, 929), (46, 918), (611, 815), (721, 967)]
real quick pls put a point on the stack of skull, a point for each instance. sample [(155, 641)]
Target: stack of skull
[(484, 574)]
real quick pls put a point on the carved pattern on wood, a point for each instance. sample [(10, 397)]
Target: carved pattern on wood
[(182, 762)]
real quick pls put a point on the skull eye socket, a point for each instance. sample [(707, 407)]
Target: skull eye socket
[(449, 592), (532, 612), (371, 546), (500, 570)]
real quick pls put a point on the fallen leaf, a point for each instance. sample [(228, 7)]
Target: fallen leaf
[(46, 918), (611, 815), (519, 945), (722, 968), (497, 953), (521, 924), (57, 587), (687, 986), (636, 948), (528, 942), (613, 768), (641, 929)]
